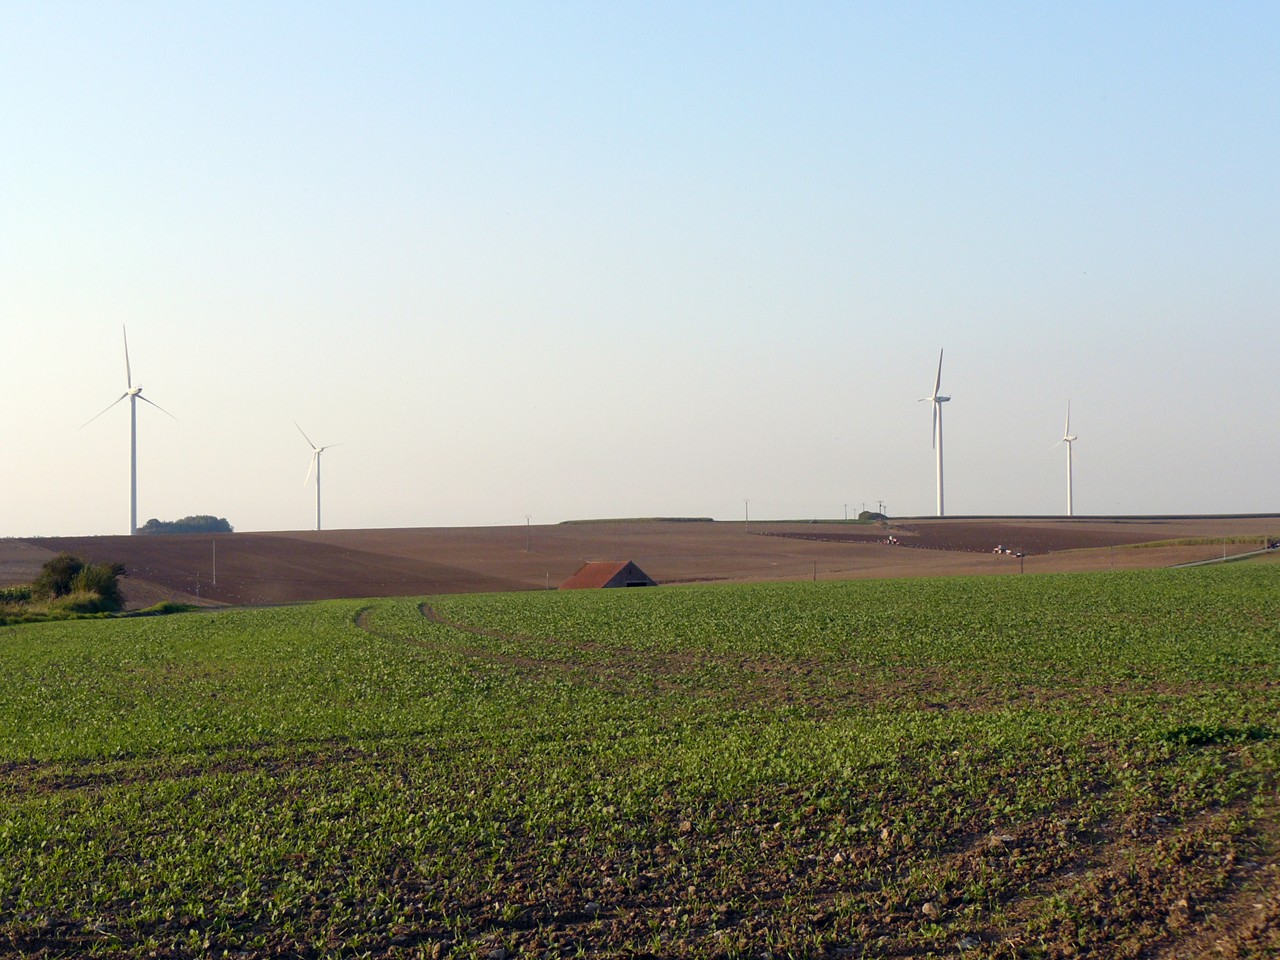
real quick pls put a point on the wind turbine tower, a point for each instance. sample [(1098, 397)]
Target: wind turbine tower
[(315, 463), (134, 394), (1068, 439), (937, 400)]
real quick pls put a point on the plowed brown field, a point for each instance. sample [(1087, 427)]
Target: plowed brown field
[(264, 568)]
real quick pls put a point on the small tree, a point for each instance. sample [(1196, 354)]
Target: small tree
[(100, 580), (83, 587), (56, 577)]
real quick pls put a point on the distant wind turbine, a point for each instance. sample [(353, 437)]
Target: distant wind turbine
[(315, 462), (937, 400), (1068, 439), (134, 394)]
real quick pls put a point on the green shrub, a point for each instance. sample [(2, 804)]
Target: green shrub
[(56, 577), (100, 579), (68, 583)]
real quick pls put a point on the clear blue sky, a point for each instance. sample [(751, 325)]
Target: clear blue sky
[(610, 259)]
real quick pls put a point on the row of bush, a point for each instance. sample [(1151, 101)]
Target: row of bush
[(66, 586), (202, 523)]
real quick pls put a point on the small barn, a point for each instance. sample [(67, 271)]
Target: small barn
[(608, 573)]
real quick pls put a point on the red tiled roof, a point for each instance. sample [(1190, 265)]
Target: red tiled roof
[(594, 573)]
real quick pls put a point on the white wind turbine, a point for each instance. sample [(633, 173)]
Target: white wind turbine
[(315, 462), (937, 400), (134, 394), (1068, 439)]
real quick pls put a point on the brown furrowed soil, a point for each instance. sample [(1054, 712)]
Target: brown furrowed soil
[(266, 568)]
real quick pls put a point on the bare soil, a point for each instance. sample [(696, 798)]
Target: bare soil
[(267, 568)]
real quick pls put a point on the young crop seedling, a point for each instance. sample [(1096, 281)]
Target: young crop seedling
[(1016, 767)]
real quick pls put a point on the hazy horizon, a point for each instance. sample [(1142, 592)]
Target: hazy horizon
[(676, 520), (575, 261)]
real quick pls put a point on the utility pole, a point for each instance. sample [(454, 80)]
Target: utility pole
[(528, 534), (746, 512)]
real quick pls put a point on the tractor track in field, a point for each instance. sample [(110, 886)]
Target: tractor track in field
[(267, 758)]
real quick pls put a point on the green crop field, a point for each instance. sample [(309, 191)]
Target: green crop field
[(1049, 766)]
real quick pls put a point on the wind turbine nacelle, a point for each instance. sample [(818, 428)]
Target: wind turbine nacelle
[(941, 399)]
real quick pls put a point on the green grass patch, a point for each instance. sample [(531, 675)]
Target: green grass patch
[(1255, 540)]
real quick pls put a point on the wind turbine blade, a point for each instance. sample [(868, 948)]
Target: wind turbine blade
[(1066, 430), (103, 410), (156, 405), (310, 466), (934, 442), (128, 374), (305, 437), (937, 381)]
